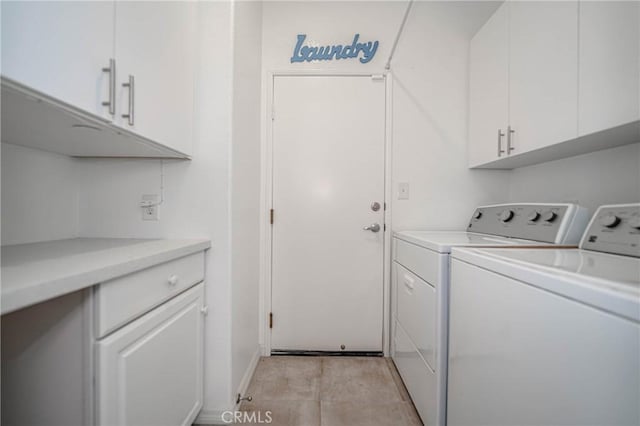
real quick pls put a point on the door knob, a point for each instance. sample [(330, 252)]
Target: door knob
[(374, 227)]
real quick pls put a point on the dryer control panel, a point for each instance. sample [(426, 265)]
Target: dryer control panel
[(614, 229), (550, 223)]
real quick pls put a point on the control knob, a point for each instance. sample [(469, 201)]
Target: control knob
[(506, 215), (477, 214), (549, 216), (610, 221), (533, 216)]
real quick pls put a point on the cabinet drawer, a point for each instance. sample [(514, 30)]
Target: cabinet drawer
[(417, 312), (120, 300), (420, 381), (427, 264)]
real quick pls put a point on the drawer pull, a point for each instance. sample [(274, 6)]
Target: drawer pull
[(204, 310), (408, 282), (173, 280)]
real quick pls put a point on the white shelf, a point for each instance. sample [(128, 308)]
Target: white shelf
[(36, 120), (36, 272)]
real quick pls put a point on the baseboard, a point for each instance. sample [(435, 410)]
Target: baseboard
[(210, 417), (214, 417), (248, 374)]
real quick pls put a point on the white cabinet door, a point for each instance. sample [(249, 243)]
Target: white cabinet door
[(489, 89), (60, 48), (154, 43), (150, 371), (609, 64), (543, 61)]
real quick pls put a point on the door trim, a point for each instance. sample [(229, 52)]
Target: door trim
[(267, 197)]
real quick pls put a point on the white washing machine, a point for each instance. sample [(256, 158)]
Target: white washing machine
[(541, 337), (420, 286)]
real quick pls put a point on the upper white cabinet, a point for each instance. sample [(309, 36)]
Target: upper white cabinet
[(572, 78), (124, 70), (60, 48), (154, 45), (489, 89), (609, 71), (543, 62)]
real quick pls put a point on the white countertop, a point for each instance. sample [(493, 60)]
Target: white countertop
[(33, 273)]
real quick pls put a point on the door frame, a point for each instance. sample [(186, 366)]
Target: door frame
[(266, 236)]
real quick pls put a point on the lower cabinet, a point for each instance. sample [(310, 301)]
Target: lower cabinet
[(122, 352), (150, 371)]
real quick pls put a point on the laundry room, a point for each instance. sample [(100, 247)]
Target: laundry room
[(320, 212)]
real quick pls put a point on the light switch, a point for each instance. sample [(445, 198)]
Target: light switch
[(403, 190)]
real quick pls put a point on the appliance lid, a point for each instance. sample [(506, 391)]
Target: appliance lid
[(606, 281), (443, 241)]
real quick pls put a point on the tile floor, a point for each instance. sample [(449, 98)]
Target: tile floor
[(330, 391)]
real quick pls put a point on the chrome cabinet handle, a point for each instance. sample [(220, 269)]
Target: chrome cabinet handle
[(111, 103), (510, 147), (500, 135), (374, 227), (132, 89)]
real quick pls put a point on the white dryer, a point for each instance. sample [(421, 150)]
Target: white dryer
[(541, 337), (420, 286)]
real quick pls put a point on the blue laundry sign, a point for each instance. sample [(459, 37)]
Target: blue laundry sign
[(363, 51)]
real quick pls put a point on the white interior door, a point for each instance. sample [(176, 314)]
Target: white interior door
[(328, 169)]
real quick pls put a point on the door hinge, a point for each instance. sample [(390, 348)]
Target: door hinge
[(384, 226), (270, 319), (271, 216)]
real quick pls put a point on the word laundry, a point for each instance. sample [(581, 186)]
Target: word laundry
[(303, 53)]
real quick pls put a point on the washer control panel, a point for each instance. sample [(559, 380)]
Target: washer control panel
[(551, 223), (614, 229)]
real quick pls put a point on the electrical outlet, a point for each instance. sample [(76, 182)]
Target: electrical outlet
[(150, 207), (403, 190)]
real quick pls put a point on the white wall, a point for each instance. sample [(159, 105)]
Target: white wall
[(611, 176), (429, 77), (324, 23), (327, 23), (39, 196), (245, 191), (430, 102)]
